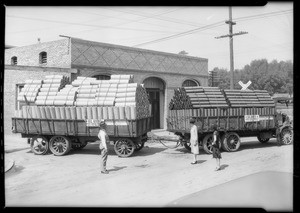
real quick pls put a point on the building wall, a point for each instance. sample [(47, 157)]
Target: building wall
[(95, 58), (12, 76), (101, 55), (58, 54)]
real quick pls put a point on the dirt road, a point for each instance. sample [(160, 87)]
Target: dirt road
[(154, 176)]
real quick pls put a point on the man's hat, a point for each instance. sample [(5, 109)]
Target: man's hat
[(102, 122)]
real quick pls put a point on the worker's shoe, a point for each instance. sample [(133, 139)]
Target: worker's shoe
[(104, 172)]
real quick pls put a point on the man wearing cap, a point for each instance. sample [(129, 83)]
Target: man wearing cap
[(102, 135)]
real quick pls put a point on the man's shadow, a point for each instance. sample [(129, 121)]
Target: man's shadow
[(223, 166), (116, 168)]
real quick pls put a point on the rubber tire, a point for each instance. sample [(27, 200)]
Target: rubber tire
[(79, 147), (46, 145), (222, 144), (207, 143), (266, 140), (65, 150), (187, 145), (286, 136), (129, 146), (139, 146), (228, 135)]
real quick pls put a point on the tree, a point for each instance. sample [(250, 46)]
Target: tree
[(275, 77), (182, 52)]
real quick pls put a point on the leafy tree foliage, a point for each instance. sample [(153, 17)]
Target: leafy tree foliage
[(275, 77)]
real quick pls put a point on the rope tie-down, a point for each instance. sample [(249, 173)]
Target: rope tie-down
[(179, 142)]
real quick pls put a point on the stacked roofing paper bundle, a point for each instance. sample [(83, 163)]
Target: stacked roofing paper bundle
[(86, 95), (66, 96), (206, 97), (105, 94), (242, 98), (86, 90), (121, 79), (84, 81), (264, 98), (181, 100), (133, 99), (51, 85), (30, 90)]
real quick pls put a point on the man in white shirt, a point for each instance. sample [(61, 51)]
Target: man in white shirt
[(102, 135), (194, 140)]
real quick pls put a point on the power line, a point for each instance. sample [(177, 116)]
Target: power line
[(88, 25), (178, 21), (217, 24), (198, 29)]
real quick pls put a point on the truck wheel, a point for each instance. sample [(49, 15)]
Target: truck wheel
[(207, 143), (222, 143), (78, 146), (286, 136), (124, 147), (262, 139), (39, 145), (60, 145), (187, 145), (139, 145), (232, 142)]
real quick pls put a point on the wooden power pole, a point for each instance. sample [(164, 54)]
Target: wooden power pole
[(230, 35)]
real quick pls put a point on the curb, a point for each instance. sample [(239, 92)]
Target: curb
[(9, 164)]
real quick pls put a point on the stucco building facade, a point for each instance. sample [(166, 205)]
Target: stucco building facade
[(160, 72)]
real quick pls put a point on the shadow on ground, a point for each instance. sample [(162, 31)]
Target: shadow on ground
[(93, 149)]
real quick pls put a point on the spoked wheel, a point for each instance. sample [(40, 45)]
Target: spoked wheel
[(262, 139), (39, 145), (286, 136), (207, 143), (222, 143), (124, 147), (232, 142), (60, 145)]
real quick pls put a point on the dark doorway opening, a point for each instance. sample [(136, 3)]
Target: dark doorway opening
[(154, 97)]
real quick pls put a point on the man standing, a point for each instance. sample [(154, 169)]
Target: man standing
[(102, 135), (194, 140)]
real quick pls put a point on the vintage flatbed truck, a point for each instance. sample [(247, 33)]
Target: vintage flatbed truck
[(232, 124), (234, 120), (59, 136)]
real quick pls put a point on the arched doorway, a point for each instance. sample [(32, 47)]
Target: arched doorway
[(102, 77), (155, 88)]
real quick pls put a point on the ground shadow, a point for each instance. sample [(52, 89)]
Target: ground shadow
[(184, 150), (116, 168), (200, 161), (223, 166), (257, 145), (93, 149), (16, 169)]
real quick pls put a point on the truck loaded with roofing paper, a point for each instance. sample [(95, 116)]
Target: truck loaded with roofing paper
[(58, 115), (237, 113)]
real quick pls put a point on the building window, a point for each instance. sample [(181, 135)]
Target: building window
[(43, 58), (18, 89), (190, 83), (14, 60), (102, 77)]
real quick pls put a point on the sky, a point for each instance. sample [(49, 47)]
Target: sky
[(163, 28)]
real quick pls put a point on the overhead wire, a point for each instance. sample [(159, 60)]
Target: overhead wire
[(217, 24)]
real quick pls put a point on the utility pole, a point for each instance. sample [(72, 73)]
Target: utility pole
[(230, 35)]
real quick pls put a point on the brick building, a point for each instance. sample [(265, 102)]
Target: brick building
[(160, 72)]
